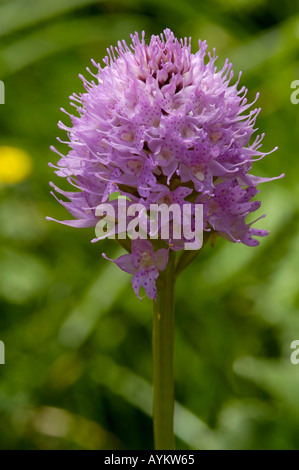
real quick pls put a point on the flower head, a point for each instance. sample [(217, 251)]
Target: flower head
[(159, 123)]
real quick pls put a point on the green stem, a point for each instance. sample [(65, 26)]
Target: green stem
[(163, 354)]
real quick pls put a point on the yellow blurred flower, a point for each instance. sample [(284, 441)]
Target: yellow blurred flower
[(15, 165)]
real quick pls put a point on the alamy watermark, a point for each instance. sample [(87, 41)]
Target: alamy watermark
[(2, 93), (295, 354), (295, 95), (168, 222), (2, 353)]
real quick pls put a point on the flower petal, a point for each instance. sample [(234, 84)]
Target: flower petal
[(124, 262)]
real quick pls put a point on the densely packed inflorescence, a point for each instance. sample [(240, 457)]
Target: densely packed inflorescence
[(160, 124)]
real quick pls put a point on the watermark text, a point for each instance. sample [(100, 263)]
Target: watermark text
[(165, 221), (295, 354), (2, 93), (295, 94), (2, 353)]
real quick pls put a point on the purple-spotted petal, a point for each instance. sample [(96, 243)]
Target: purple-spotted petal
[(147, 281)]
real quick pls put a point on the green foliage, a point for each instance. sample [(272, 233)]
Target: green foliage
[(78, 342)]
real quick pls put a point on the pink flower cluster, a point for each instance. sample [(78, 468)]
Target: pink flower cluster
[(161, 124)]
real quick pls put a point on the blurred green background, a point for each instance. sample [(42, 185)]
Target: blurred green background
[(78, 341)]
